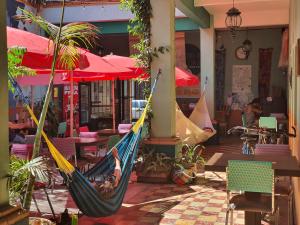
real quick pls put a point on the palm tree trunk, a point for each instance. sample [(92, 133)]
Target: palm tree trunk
[(37, 140)]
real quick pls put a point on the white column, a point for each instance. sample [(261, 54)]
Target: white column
[(163, 103), (207, 43)]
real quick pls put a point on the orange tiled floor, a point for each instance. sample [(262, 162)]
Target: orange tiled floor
[(201, 203)]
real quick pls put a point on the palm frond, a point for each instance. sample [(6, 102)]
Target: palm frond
[(48, 27), (37, 167), (86, 33), (73, 35), (69, 56)]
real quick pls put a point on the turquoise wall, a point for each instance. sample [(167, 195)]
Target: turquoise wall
[(120, 27), (260, 38)]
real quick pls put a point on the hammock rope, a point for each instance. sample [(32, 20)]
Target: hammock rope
[(83, 192)]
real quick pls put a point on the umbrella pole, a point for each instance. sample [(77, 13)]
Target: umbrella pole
[(32, 102), (72, 109), (71, 104), (130, 100), (113, 104)]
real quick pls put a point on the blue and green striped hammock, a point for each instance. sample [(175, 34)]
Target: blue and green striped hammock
[(83, 192)]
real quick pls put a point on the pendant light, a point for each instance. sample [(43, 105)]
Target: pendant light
[(233, 20)]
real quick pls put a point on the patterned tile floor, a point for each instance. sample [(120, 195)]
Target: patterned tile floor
[(202, 203)]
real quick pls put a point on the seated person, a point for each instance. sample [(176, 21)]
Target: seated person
[(107, 183), (251, 113), (15, 137)]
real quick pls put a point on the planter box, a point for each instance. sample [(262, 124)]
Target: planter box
[(159, 177)]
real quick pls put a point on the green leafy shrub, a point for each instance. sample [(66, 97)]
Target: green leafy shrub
[(20, 171)]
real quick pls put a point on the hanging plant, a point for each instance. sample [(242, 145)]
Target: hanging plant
[(140, 27)]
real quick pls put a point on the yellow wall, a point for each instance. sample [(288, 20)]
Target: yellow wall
[(294, 92)]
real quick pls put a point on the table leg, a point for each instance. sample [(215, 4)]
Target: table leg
[(252, 218), (78, 148)]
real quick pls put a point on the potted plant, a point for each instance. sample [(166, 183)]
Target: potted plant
[(188, 163), (154, 167)]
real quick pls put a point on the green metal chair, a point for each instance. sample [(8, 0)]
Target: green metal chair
[(268, 122), (250, 176), (62, 128)]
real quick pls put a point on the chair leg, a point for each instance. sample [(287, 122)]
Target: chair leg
[(50, 204), (231, 217), (290, 207), (226, 218), (36, 205), (277, 216)]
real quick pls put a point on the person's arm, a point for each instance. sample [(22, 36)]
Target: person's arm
[(118, 171)]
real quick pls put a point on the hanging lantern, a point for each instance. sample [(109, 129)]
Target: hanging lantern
[(233, 20), (247, 44)]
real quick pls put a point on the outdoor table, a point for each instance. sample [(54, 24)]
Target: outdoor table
[(282, 165), (108, 132), (82, 141)]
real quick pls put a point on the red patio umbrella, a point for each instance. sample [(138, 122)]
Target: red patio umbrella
[(39, 50), (183, 77), (39, 56)]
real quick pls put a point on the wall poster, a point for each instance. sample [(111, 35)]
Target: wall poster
[(241, 86), (241, 78)]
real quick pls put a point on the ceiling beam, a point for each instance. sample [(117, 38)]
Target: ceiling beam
[(203, 3), (198, 14)]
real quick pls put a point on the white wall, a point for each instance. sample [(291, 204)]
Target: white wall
[(95, 13)]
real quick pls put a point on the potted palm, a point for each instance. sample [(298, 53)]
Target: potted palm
[(188, 163), (154, 167)]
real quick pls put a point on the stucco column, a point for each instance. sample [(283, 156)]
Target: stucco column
[(207, 49), (4, 159), (163, 103)]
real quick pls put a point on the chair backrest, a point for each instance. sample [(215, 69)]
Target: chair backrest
[(250, 176), (244, 120), (29, 139), (124, 128), (23, 151), (113, 140), (268, 122), (62, 128), (84, 129), (66, 146)]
